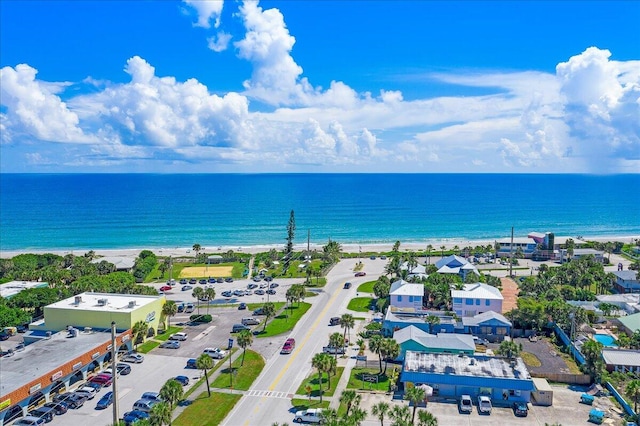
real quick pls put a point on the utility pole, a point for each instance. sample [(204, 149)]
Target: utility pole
[(511, 255), (114, 373)]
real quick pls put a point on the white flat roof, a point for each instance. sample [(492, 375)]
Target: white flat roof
[(114, 302), (14, 287), (477, 365)]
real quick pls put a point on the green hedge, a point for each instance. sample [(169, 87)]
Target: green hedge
[(201, 318)]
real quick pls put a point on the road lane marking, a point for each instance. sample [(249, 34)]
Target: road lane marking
[(204, 333)]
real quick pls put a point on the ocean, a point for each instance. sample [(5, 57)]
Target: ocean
[(118, 211)]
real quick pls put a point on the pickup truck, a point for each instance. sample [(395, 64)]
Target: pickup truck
[(333, 350)]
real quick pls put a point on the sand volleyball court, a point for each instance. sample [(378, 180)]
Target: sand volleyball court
[(206, 271)]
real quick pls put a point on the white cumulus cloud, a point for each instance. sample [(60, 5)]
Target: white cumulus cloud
[(207, 10)]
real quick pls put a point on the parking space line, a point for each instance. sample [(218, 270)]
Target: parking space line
[(204, 333)]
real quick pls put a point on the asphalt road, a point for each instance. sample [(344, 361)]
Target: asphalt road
[(268, 401)]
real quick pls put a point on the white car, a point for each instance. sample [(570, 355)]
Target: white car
[(216, 353), (484, 404), (178, 336), (134, 358), (466, 404), (311, 415), (87, 391)]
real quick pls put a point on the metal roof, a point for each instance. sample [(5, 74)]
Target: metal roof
[(483, 317), (632, 322), (477, 291), (621, 357), (401, 288), (95, 302)]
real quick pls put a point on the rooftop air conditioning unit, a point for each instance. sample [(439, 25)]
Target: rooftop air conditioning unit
[(132, 304), (102, 302), (78, 300), (48, 334), (88, 330)]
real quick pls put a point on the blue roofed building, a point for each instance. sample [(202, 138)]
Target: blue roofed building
[(489, 325), (456, 265), (505, 381)]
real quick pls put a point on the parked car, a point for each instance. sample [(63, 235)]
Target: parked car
[(216, 353), (333, 350), (466, 404), (144, 405), (288, 346), (87, 391), (274, 285), (347, 285), (183, 380), (220, 280), (189, 308), (258, 311), (193, 281), (238, 328), (73, 400), (179, 336), (264, 285), (334, 321), (251, 286), (165, 288), (238, 292), (183, 281), (212, 280), (228, 279), (484, 404), (360, 274), (123, 369), (311, 415), (479, 341), (152, 396), (227, 293), (4, 336), (187, 287), (192, 363), (58, 407), (134, 358), (250, 321), (29, 421), (133, 417), (97, 387), (43, 413), (242, 306), (520, 409), (271, 291), (102, 379), (105, 401), (170, 344), (256, 279)]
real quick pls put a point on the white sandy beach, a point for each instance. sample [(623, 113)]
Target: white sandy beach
[(346, 247)]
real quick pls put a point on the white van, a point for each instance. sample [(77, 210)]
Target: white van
[(312, 415), (250, 321)]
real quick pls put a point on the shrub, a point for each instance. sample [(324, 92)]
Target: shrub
[(201, 318)]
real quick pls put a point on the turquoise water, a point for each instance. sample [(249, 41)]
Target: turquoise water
[(607, 340), (99, 211)]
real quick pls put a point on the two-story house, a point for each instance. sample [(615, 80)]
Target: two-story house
[(475, 299), (456, 265), (406, 297), (627, 282)]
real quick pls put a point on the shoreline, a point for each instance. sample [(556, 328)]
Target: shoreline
[(448, 243)]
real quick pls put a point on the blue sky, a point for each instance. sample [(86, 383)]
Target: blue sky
[(319, 86)]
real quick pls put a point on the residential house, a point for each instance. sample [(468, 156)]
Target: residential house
[(622, 360), (583, 252), (489, 325), (414, 339), (406, 297), (627, 282), (456, 265), (394, 321), (475, 299), (629, 302), (124, 264), (630, 323)]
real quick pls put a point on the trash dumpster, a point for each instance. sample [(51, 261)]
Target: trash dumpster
[(596, 416), (585, 398)]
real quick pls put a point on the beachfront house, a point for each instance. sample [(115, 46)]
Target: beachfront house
[(414, 339), (475, 299), (581, 253), (627, 282), (456, 265), (488, 325), (630, 323), (406, 297)]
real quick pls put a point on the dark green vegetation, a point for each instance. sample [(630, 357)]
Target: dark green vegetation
[(207, 410)]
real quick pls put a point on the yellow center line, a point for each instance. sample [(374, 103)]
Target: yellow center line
[(297, 350)]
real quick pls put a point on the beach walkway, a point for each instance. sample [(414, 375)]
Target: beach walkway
[(509, 292)]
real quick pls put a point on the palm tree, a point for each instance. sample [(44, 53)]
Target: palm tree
[(139, 330), (210, 294), (509, 349), (432, 320), (244, 338), (269, 310), (380, 410), (160, 414), (349, 398), (197, 248), (204, 363), (400, 415), (347, 322), (426, 418), (390, 350), (318, 362), (633, 392), (375, 346), (415, 395), (429, 250), (198, 293), (171, 392), (169, 309), (442, 251), (336, 340)]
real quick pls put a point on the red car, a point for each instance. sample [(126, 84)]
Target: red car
[(361, 274), (102, 380), (288, 346), (165, 288)]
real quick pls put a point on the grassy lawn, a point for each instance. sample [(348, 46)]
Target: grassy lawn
[(148, 346), (305, 404), (355, 379), (285, 321), (254, 306), (165, 336), (312, 381), (366, 287), (243, 376), (360, 304), (207, 410), (216, 367), (317, 282), (530, 359), (238, 269), (310, 294)]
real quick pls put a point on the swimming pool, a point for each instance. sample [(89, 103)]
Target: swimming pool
[(606, 340)]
